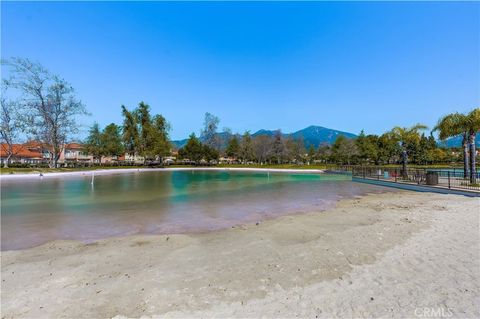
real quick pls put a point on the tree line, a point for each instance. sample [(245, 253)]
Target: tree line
[(415, 146), (142, 134), (45, 108)]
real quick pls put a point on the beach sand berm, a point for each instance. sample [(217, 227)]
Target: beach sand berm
[(383, 255)]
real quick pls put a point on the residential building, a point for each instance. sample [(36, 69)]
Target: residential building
[(28, 153)]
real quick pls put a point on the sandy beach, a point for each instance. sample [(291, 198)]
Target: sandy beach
[(382, 255)]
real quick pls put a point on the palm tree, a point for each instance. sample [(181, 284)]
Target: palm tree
[(473, 125), (467, 126), (451, 125), (407, 136)]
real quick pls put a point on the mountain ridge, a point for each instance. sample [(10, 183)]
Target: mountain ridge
[(312, 135), (316, 135)]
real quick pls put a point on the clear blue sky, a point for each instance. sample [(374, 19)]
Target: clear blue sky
[(347, 66)]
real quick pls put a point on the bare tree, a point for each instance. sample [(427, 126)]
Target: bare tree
[(262, 147), (278, 147), (51, 105), (10, 122), (209, 133), (246, 148), (295, 149)]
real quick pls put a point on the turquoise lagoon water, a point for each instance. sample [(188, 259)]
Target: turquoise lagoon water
[(37, 210)]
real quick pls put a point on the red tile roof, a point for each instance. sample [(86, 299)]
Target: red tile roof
[(20, 150), (75, 146)]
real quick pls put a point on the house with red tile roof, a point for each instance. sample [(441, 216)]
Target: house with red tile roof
[(75, 153), (28, 153)]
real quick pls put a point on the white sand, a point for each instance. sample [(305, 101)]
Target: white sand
[(389, 255), (36, 175)]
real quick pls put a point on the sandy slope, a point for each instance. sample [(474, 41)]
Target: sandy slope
[(388, 255)]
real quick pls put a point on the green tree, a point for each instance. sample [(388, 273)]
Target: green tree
[(209, 153), (233, 147), (368, 147), (408, 138), (388, 148), (94, 142), (193, 150), (161, 144), (112, 141), (146, 139), (344, 150), (144, 134), (130, 134)]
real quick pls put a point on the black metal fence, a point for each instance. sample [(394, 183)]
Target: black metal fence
[(446, 178)]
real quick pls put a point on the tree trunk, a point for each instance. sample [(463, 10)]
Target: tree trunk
[(7, 161), (51, 160), (473, 170), (404, 163), (54, 159), (465, 156)]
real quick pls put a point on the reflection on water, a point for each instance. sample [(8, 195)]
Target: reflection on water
[(38, 211)]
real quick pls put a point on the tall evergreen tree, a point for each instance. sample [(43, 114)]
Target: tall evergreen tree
[(233, 147), (130, 134), (145, 135), (161, 144), (193, 150), (93, 144), (112, 141)]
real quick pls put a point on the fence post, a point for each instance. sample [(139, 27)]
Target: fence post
[(448, 179)]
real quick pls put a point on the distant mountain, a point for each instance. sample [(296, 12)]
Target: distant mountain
[(179, 143), (316, 135), (312, 135), (224, 136), (267, 133), (457, 141)]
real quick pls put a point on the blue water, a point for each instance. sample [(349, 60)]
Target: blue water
[(40, 210)]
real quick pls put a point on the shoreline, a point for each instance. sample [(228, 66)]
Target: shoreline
[(203, 232), (141, 170), (373, 256)]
